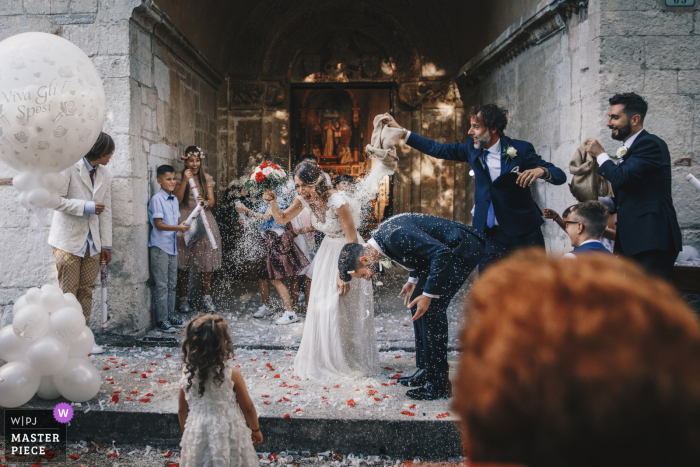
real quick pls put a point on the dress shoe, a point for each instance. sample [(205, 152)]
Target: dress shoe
[(432, 390), (404, 378), (417, 380)]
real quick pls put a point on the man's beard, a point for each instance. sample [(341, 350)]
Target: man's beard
[(622, 133), (482, 142)]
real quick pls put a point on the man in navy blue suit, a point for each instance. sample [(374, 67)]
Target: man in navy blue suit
[(640, 175), (505, 211), (440, 254)]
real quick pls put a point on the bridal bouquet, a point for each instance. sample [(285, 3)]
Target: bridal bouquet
[(266, 175)]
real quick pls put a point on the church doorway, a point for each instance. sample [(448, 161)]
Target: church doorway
[(334, 122)]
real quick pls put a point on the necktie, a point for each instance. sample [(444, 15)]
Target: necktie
[(491, 216), (92, 176)]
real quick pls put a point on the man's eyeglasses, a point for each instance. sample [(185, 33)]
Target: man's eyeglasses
[(570, 222)]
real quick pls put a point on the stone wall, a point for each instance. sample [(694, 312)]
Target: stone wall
[(161, 97), (557, 80)]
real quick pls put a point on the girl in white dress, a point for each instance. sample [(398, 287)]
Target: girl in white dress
[(339, 338), (214, 405)]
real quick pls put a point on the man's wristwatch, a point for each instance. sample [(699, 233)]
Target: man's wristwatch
[(405, 132), (546, 175)]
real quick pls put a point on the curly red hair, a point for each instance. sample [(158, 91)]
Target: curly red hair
[(579, 363)]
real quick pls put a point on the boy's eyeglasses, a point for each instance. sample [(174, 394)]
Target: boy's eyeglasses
[(571, 222)]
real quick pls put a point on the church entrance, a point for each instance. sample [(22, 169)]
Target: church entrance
[(334, 122)]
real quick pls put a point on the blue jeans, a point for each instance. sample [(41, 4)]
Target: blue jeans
[(164, 272)]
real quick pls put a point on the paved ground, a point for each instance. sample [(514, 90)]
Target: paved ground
[(147, 380), (392, 319)]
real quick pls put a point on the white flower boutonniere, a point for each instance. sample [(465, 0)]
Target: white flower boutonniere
[(511, 152), (386, 263), (621, 152)]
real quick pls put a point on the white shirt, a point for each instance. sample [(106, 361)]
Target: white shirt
[(413, 280), (628, 144), (493, 165)]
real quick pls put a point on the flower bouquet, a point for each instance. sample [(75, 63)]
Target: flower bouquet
[(266, 175)]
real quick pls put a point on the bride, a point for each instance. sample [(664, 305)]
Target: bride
[(339, 338)]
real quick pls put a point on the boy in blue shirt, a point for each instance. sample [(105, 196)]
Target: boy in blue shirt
[(164, 212), (585, 225)]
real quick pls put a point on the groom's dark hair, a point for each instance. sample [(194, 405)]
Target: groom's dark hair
[(349, 260), (493, 116), (634, 104)]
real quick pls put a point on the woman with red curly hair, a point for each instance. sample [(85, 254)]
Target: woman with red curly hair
[(585, 363)]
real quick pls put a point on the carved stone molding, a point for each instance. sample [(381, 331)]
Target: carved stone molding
[(253, 95), (536, 26), (429, 94), (152, 19)]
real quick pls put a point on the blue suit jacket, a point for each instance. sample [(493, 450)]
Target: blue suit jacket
[(430, 245), (591, 247), (646, 218), (517, 213)]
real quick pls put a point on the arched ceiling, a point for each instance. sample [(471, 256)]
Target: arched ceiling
[(260, 38)]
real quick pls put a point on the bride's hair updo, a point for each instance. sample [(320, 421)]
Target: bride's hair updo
[(309, 173)]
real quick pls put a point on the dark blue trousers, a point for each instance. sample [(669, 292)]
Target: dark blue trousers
[(498, 244), (431, 329)]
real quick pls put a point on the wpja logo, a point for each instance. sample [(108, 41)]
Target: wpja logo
[(36, 436)]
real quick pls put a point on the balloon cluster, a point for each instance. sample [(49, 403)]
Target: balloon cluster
[(47, 347), (52, 106)]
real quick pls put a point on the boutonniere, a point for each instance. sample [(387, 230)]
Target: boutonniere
[(511, 153), (386, 263), (622, 152)]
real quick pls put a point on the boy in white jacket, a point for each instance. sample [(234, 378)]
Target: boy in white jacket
[(81, 230)]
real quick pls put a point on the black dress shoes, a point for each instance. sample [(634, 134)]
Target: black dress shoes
[(432, 390), (418, 379)]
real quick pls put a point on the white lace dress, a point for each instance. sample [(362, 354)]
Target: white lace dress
[(339, 338), (216, 434)]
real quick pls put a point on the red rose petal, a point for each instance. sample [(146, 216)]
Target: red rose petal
[(413, 406), (115, 398), (388, 368), (123, 364), (372, 392), (351, 403), (168, 454), (398, 356), (405, 325), (149, 395), (109, 379), (145, 400), (289, 355), (168, 356), (116, 392), (337, 386), (377, 399), (395, 377), (267, 402), (143, 375), (162, 381), (443, 415), (153, 363), (406, 412), (112, 455), (134, 372), (287, 415), (149, 371), (265, 395), (134, 392), (298, 410), (74, 456), (107, 368), (276, 376)]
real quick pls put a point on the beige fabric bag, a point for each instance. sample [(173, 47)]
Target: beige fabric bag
[(383, 141), (587, 185)]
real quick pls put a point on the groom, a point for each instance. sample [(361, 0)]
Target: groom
[(504, 210), (439, 254)]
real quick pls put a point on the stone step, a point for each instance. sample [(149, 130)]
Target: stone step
[(396, 438)]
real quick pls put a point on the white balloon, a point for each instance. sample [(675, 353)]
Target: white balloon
[(51, 288), (31, 323), (53, 181), (18, 384), (23, 201), (12, 348), (72, 301), (26, 181), (34, 296), (38, 197), (47, 355), (66, 324), (54, 202), (79, 380), (82, 346), (21, 302), (51, 300), (688, 252), (55, 109), (47, 389)]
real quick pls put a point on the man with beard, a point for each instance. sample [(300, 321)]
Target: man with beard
[(504, 169), (647, 227)]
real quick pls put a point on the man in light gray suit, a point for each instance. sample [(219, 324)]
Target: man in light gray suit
[(81, 231)]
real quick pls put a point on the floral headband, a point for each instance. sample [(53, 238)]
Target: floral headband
[(198, 152)]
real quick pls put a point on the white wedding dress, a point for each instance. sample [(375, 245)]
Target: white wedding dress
[(339, 338)]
